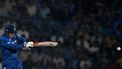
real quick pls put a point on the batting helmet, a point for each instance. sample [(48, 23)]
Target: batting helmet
[(10, 29)]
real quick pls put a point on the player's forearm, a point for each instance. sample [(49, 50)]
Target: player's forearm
[(20, 38)]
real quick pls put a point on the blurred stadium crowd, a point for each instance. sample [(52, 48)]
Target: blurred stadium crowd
[(89, 31)]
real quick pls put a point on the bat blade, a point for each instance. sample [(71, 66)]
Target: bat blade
[(39, 44)]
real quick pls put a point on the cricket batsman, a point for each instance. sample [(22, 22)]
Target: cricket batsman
[(11, 44)]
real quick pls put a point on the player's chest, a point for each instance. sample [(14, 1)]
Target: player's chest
[(11, 41)]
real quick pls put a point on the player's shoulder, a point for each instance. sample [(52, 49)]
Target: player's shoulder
[(3, 38), (18, 36)]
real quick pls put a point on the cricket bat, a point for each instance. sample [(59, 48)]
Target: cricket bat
[(40, 44)]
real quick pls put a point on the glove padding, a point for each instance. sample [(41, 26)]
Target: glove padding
[(29, 45)]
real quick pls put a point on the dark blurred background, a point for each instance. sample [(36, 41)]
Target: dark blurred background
[(89, 32)]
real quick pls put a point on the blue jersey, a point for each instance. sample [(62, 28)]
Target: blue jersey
[(10, 47)]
